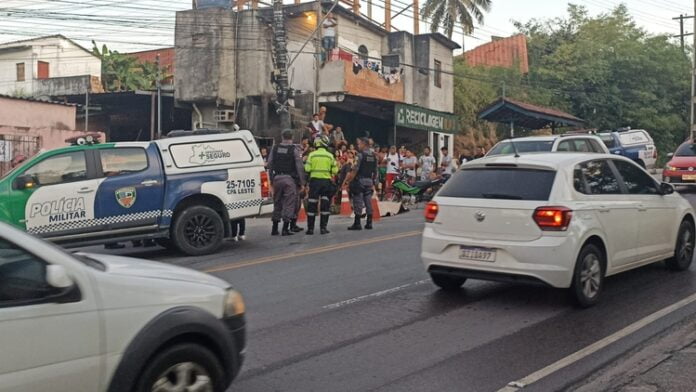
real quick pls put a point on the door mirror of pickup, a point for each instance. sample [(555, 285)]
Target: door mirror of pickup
[(670, 155), (24, 182)]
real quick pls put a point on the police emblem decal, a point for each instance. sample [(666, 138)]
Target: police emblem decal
[(126, 196)]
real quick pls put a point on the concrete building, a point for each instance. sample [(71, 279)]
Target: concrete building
[(48, 66), (28, 126), (396, 86)]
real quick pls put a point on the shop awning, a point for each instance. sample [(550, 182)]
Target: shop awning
[(526, 115)]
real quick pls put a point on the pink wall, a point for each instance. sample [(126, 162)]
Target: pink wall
[(32, 114)]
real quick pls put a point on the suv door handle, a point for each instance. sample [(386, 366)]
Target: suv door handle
[(85, 190), (642, 209), (149, 182), (604, 210)]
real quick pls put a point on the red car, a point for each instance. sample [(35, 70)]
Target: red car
[(681, 169)]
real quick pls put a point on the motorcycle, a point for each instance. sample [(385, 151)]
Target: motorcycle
[(420, 191)]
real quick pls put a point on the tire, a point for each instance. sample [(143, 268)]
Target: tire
[(684, 249), (588, 277), (196, 363), (198, 230), (446, 282)]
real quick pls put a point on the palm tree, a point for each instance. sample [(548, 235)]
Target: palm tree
[(446, 13)]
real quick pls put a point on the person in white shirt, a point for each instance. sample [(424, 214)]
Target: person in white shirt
[(408, 162), (329, 39), (447, 164), (427, 164), (317, 126), (393, 163)]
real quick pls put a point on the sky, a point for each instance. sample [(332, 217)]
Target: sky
[(132, 25)]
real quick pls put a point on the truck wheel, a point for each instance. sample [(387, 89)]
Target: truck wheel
[(183, 367), (198, 230), (684, 250)]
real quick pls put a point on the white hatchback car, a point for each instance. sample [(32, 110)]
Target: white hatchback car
[(565, 220), (84, 322)]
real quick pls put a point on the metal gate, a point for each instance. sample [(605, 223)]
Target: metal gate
[(13, 147)]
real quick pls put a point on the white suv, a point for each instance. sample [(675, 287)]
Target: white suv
[(90, 323), (554, 143), (565, 220)]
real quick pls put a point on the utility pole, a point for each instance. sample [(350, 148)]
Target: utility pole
[(681, 18), (87, 110), (159, 98), (693, 85), (281, 72)]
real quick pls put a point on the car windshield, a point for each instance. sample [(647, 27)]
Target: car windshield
[(686, 150), (506, 147), (500, 183)]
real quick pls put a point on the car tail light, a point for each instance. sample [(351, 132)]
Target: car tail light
[(431, 210), (265, 185), (553, 218), (655, 153)]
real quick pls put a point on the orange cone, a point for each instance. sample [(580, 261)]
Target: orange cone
[(346, 208), (302, 215), (375, 208)]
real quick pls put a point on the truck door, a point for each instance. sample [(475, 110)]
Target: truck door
[(132, 191)]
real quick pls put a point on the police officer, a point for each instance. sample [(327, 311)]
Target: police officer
[(361, 182), (286, 172), (321, 166)]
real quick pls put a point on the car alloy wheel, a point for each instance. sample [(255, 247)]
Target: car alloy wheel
[(184, 377), (686, 247), (200, 231), (591, 275)]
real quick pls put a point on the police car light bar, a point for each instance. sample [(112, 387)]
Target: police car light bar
[(89, 138)]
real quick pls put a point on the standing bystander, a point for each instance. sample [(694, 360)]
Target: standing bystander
[(427, 164)]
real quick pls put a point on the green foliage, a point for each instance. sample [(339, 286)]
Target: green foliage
[(603, 69), (121, 72)]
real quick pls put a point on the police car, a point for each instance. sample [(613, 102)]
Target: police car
[(182, 191)]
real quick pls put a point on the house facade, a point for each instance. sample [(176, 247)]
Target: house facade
[(48, 66), (366, 84)]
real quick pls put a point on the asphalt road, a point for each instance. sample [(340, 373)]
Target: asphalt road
[(355, 311)]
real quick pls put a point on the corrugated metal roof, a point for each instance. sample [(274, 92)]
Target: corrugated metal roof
[(527, 115), (36, 100), (505, 52)]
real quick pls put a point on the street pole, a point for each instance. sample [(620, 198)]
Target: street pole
[(693, 84), (87, 110), (281, 60), (159, 99)]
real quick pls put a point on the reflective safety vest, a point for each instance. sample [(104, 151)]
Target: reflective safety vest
[(321, 164)]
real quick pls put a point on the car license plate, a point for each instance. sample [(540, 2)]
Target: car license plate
[(689, 177), (477, 253)]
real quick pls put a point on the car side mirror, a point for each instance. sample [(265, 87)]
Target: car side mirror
[(57, 276), (24, 182), (666, 189), (670, 155)]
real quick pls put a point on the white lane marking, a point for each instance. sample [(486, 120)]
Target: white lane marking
[(374, 295), (591, 349)]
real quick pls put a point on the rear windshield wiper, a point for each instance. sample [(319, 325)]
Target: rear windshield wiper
[(501, 196)]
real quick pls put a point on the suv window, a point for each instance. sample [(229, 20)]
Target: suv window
[(596, 147), (67, 167), (596, 178), (119, 161), (500, 183), (582, 145), (564, 146), (506, 147), (635, 179), (608, 140), (22, 275)]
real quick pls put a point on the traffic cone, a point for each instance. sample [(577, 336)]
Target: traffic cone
[(346, 208), (302, 215), (375, 208)]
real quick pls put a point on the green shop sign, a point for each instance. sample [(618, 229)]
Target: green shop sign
[(428, 120)]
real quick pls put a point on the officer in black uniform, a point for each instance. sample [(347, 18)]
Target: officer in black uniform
[(286, 173), (361, 183)]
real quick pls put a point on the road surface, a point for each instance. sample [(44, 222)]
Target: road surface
[(355, 311)]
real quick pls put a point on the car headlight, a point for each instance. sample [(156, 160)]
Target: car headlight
[(234, 304), (671, 168)]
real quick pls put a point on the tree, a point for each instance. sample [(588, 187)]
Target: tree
[(121, 72), (446, 13)]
